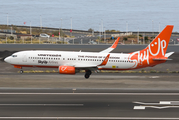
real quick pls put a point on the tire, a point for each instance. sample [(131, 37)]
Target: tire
[(21, 71), (88, 72), (87, 76)]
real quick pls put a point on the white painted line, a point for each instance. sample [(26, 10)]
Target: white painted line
[(165, 102), (121, 77), (90, 118), (169, 94), (154, 77), (171, 102), (71, 105), (142, 103), (139, 108), (156, 107)]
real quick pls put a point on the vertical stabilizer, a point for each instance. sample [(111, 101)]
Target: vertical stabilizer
[(158, 47)]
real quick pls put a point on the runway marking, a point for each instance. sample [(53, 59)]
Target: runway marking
[(157, 107), (63, 105), (90, 118), (160, 105), (89, 93), (154, 77), (165, 102), (138, 76), (139, 107)]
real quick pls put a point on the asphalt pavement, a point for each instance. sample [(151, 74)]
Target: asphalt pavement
[(60, 104)]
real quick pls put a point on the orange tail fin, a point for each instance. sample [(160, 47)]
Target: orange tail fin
[(158, 47)]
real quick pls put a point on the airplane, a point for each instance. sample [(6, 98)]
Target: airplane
[(68, 62)]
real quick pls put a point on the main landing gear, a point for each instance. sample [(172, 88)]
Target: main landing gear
[(87, 74)]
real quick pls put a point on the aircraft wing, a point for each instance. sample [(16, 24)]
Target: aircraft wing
[(108, 50), (84, 66)]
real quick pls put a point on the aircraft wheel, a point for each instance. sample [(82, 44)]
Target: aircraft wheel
[(88, 72), (21, 71), (87, 76)]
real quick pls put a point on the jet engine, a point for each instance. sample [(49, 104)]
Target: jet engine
[(66, 70)]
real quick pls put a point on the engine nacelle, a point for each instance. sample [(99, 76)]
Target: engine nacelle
[(66, 70)]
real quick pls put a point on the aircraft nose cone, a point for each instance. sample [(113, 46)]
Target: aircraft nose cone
[(8, 60)]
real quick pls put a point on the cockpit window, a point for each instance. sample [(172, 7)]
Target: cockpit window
[(14, 55)]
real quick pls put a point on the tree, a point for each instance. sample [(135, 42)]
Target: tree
[(146, 38), (90, 29), (125, 38), (11, 37), (140, 35)]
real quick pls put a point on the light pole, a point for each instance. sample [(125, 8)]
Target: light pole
[(104, 35), (152, 29), (126, 27), (71, 27), (99, 34), (7, 19), (138, 36), (61, 23), (11, 30), (61, 31), (159, 28), (30, 32), (40, 22), (30, 29), (101, 27)]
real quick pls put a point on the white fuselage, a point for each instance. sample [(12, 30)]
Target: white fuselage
[(54, 59)]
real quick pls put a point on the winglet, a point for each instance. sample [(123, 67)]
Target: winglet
[(114, 45), (105, 60)]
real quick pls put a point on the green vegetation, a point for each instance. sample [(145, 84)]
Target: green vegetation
[(112, 31), (132, 36), (140, 35), (91, 29), (125, 38), (146, 38), (56, 33)]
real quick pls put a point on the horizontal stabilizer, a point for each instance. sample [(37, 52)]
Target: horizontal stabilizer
[(161, 59), (168, 54)]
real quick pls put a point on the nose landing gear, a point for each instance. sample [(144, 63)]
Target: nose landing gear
[(21, 71)]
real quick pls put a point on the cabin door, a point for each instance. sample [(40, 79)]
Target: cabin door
[(24, 59)]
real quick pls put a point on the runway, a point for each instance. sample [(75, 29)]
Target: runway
[(105, 96), (98, 80), (84, 48), (86, 104)]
